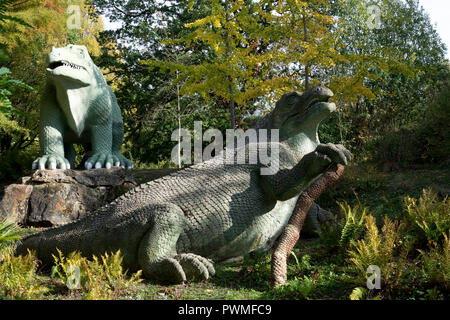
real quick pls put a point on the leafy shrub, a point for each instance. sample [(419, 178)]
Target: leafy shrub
[(9, 233), (300, 288), (428, 217), (102, 278), (360, 293), (397, 146), (18, 276), (433, 133), (17, 163), (354, 223), (436, 263), (331, 233), (384, 250), (341, 232)]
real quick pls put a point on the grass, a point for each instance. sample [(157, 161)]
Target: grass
[(389, 230)]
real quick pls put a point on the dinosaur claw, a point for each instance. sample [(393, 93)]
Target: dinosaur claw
[(108, 165), (88, 165), (98, 165), (195, 267)]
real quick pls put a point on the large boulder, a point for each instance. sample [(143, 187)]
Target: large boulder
[(56, 197)]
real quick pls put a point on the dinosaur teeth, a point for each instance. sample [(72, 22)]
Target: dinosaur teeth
[(55, 65)]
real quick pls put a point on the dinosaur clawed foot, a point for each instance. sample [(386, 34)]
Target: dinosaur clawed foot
[(335, 153), (107, 160), (196, 267), (180, 268), (51, 162)]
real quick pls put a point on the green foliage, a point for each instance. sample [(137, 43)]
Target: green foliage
[(428, 217), (299, 288), (361, 293), (9, 233), (358, 293), (18, 278), (344, 229), (354, 223), (380, 249), (7, 88), (331, 234), (102, 278), (397, 147), (433, 133), (403, 73), (436, 263), (5, 7), (257, 50), (16, 163)]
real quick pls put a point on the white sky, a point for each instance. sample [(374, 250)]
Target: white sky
[(438, 10)]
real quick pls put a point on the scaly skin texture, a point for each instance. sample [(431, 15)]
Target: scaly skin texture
[(78, 107), (171, 227)]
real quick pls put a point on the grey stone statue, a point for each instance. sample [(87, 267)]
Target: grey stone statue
[(78, 107)]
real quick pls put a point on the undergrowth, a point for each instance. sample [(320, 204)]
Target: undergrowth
[(411, 250)]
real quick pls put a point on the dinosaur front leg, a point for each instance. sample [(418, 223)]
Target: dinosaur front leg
[(101, 140), (117, 133), (157, 254), (52, 126), (287, 183)]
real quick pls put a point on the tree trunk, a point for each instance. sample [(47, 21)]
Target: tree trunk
[(179, 123), (305, 29), (228, 53), (232, 113), (291, 232)]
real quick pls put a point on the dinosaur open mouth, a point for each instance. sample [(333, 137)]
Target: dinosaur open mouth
[(316, 100), (58, 64)]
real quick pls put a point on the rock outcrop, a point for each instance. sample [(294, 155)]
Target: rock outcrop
[(56, 197)]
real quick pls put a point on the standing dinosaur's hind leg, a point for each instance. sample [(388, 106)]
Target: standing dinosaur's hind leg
[(157, 254)]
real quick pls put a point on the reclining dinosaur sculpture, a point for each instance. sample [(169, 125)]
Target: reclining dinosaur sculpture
[(171, 227)]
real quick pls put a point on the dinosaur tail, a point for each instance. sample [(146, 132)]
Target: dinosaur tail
[(44, 243), (29, 243)]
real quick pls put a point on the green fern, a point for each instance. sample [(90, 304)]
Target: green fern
[(436, 263), (384, 249), (99, 278), (9, 233), (429, 217), (354, 223)]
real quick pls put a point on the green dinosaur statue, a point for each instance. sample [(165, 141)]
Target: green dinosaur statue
[(171, 227), (78, 107)]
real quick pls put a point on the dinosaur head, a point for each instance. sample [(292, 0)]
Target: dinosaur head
[(71, 65), (297, 113)]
